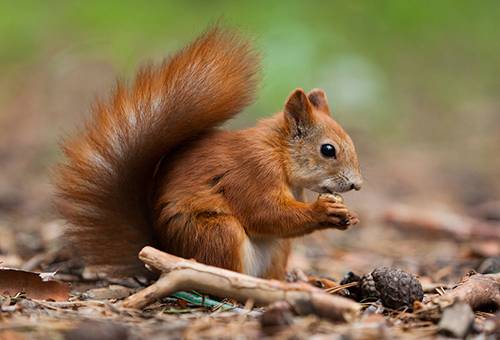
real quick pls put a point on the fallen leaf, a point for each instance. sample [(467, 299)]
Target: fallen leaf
[(34, 285)]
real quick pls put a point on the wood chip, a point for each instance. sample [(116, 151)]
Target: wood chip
[(106, 293)]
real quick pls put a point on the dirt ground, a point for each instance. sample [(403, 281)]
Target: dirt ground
[(419, 212)]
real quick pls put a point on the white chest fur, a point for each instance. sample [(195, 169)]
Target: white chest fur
[(258, 255)]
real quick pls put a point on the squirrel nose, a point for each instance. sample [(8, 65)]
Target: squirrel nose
[(356, 185)]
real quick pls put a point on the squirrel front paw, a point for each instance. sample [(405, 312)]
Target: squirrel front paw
[(331, 212)]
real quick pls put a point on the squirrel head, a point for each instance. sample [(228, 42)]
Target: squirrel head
[(321, 155)]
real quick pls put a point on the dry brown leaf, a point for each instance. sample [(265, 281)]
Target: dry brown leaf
[(34, 285)]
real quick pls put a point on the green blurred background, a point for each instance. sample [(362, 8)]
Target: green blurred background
[(417, 83)]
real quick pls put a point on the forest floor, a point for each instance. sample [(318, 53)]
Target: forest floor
[(419, 212), (440, 248)]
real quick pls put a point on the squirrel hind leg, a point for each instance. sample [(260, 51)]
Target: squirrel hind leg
[(218, 238), (209, 238)]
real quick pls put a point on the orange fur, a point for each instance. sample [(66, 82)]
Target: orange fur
[(151, 168)]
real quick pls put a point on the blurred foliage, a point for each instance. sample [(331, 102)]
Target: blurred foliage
[(391, 68)]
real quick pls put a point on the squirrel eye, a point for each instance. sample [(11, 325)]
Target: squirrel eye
[(328, 150)]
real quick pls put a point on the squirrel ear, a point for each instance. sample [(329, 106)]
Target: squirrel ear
[(318, 99), (298, 110)]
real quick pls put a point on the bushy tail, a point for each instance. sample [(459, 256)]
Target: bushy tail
[(102, 187)]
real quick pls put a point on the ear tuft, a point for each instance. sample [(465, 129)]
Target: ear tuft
[(318, 99), (298, 109)]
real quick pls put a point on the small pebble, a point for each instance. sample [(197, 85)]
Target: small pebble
[(457, 320), (490, 265), (276, 316), (93, 330)]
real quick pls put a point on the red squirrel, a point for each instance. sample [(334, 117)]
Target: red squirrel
[(152, 167)]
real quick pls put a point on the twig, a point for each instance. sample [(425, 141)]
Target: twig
[(477, 290), (181, 274)]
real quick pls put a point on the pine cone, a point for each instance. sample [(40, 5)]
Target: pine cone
[(394, 287), (369, 288)]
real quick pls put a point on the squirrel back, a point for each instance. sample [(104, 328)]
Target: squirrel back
[(102, 187)]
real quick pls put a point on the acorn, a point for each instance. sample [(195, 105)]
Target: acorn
[(336, 197), (394, 287)]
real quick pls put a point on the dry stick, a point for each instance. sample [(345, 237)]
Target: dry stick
[(477, 290), (439, 222), (181, 274)]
